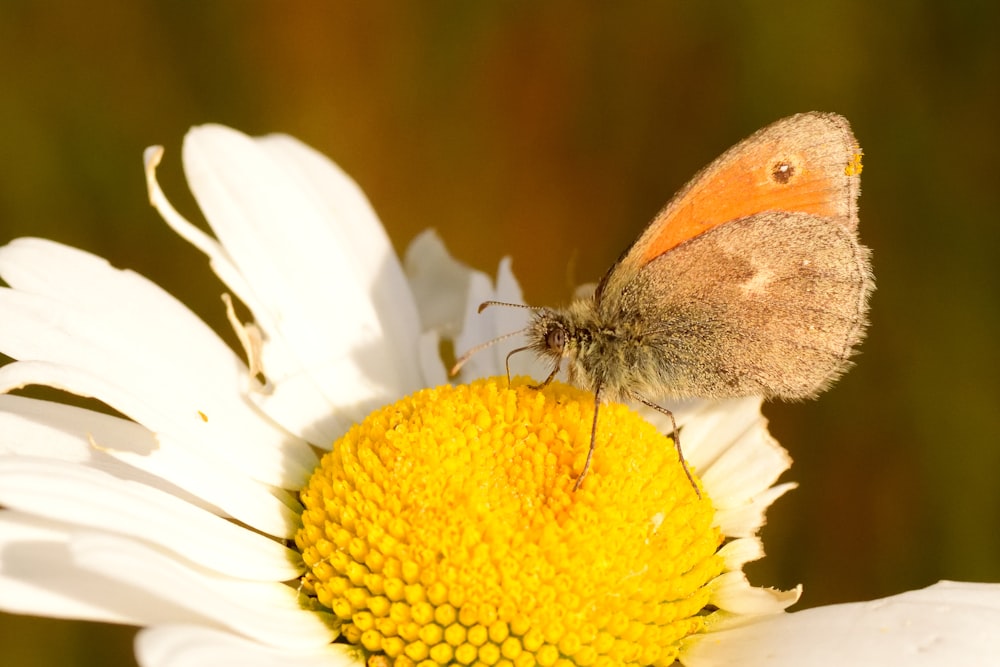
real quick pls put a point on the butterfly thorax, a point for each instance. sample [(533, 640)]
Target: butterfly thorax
[(605, 354)]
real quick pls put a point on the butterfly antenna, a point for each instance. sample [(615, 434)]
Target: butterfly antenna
[(482, 346), (486, 304)]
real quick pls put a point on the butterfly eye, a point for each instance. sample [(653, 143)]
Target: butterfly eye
[(556, 339)]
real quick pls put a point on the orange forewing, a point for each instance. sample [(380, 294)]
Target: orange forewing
[(741, 184)]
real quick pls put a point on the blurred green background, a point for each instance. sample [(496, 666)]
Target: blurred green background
[(552, 132)]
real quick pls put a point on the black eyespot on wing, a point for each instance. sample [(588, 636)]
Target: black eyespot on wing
[(782, 171)]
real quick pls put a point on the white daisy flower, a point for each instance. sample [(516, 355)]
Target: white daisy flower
[(441, 528)]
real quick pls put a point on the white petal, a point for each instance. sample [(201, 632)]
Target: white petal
[(31, 427), (479, 328), (449, 294), (353, 224), (137, 349), (734, 454), (732, 592), (508, 290), (728, 446), (948, 623), (86, 497), (440, 283), (228, 442), (738, 553), (267, 612), (434, 372), (494, 322), (746, 520), (71, 289), (50, 571), (40, 578), (196, 646), (325, 288)]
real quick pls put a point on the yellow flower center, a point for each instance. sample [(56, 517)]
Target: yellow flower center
[(444, 529)]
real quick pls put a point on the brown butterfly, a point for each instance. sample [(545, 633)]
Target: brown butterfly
[(750, 282)]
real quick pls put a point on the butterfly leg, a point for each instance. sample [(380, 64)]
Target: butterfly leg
[(593, 439), (549, 379), (675, 434)]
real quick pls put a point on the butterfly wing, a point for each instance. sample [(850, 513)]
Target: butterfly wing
[(808, 163), (770, 305), (751, 281)]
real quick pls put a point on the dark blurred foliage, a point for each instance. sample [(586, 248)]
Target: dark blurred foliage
[(552, 132)]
